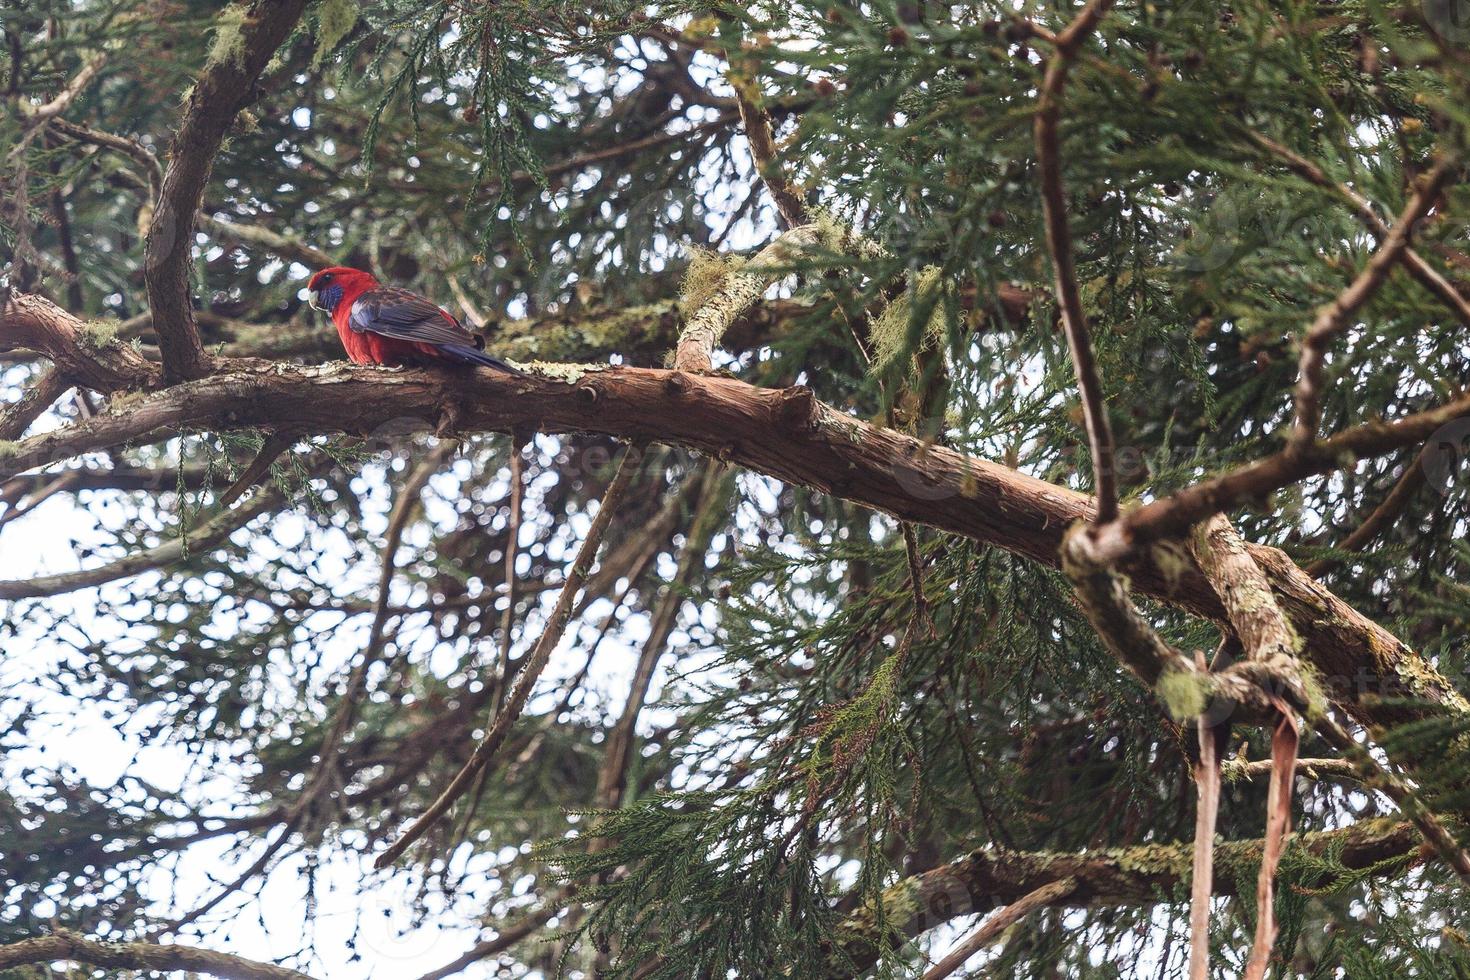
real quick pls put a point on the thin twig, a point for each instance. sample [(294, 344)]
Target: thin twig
[(1380, 777), (612, 777), (998, 923), (1059, 244), (271, 450), (756, 122), (1337, 316), (1428, 276), (536, 662), (213, 533), (504, 940), (512, 538), (1414, 477)]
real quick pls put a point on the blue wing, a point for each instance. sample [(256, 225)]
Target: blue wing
[(403, 315)]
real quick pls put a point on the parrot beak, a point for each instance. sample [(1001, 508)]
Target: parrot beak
[(311, 301)]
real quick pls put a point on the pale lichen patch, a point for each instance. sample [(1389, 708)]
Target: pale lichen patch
[(1185, 694), (228, 45), (567, 373), (98, 334)]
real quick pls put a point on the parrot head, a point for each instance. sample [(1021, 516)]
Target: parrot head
[(328, 286)]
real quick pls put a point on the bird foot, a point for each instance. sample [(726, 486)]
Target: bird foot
[(448, 420)]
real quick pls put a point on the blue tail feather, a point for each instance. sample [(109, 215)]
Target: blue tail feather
[(471, 355)]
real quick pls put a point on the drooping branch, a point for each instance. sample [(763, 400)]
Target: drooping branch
[(618, 748), (248, 41), (161, 957), (140, 154)]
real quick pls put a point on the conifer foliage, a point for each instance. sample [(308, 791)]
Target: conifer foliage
[(985, 490)]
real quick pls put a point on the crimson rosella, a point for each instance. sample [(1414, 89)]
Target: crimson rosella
[(387, 325)]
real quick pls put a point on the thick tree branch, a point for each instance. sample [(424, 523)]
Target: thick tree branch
[(789, 435), (225, 87), (740, 291), (87, 353), (153, 957), (1141, 875)]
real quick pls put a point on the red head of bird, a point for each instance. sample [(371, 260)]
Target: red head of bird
[(329, 287)]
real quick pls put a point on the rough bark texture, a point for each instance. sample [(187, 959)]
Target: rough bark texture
[(227, 85)]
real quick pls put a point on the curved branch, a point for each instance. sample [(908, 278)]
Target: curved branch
[(1428, 276), (740, 291), (208, 536), (228, 83), (1064, 271), (161, 957), (16, 417)]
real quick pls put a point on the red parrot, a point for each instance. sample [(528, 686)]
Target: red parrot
[(391, 326)]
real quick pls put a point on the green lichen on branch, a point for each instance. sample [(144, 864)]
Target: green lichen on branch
[(335, 20), (98, 334), (707, 273), (228, 43), (1185, 693), (912, 321)]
